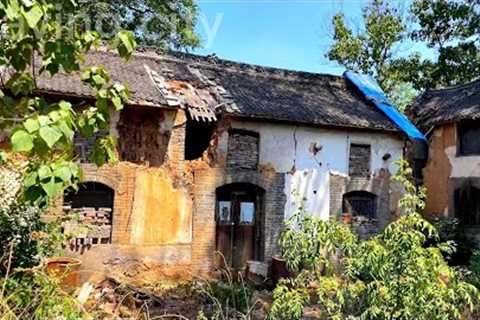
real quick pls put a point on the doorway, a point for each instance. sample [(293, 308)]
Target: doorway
[(239, 224)]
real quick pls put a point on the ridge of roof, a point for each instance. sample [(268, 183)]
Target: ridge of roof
[(453, 87), (214, 62)]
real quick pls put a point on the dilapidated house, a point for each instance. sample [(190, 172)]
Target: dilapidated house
[(451, 119), (214, 155)]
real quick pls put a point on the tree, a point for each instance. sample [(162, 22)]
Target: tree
[(166, 23), (451, 28), (371, 50), (35, 42)]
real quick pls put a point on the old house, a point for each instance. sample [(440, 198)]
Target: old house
[(451, 119), (215, 154)]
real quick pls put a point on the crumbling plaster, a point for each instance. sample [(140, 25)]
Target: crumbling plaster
[(444, 169), (288, 147)]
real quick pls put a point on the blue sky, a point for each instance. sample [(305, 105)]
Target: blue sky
[(279, 33)]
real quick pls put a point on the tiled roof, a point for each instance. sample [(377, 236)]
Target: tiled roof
[(436, 107), (233, 88)]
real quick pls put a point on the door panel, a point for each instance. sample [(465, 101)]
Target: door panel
[(237, 235)]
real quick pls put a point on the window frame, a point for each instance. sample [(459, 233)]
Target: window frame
[(461, 127)]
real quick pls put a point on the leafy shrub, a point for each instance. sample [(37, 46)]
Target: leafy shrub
[(396, 275), (449, 230), (314, 245), (35, 295)]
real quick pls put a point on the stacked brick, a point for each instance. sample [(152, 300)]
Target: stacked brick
[(359, 165), (242, 151), (94, 226)]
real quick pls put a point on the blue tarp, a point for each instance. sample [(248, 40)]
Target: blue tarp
[(372, 91)]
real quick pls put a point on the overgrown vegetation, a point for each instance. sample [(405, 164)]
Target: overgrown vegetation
[(40, 164), (395, 275)]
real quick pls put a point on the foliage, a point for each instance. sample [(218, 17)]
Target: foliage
[(474, 268), (35, 43), (395, 275), (163, 24), (450, 29), (309, 243), (230, 297), (449, 229), (370, 51), (37, 295), (290, 296)]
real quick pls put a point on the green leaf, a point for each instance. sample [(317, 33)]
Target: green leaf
[(3, 157), (44, 121), (22, 141), (44, 172), (51, 188), (33, 16), (125, 44), (30, 179), (49, 135), (64, 173), (31, 125), (117, 102)]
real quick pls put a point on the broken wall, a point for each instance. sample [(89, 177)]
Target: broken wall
[(152, 211), (287, 152), (437, 172), (291, 150)]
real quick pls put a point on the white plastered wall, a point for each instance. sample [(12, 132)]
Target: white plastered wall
[(287, 149)]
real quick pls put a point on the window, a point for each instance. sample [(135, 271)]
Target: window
[(467, 205), (468, 138), (360, 203), (359, 164), (243, 149)]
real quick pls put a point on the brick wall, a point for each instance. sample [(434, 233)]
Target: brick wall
[(242, 150), (84, 147), (141, 138), (386, 198), (359, 162), (206, 181)]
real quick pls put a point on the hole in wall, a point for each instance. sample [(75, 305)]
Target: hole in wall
[(197, 138)]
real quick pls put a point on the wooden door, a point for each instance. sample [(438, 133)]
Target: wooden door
[(237, 234)]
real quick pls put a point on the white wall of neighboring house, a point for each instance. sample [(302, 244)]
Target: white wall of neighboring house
[(288, 149)]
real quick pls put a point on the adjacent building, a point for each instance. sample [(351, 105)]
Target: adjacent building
[(451, 119)]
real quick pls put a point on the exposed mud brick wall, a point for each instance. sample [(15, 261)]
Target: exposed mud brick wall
[(162, 212), (176, 143), (438, 170), (242, 150), (141, 138), (360, 160)]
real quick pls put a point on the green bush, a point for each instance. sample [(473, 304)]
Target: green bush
[(35, 295), (399, 274)]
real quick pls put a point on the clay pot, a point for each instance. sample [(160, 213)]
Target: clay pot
[(347, 218), (67, 269)]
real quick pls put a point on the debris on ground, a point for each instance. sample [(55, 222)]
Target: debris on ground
[(114, 298)]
